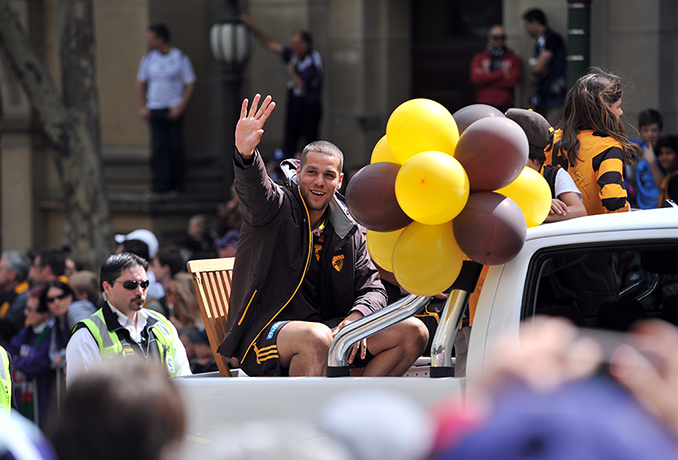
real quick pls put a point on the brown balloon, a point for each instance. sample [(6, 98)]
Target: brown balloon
[(491, 229), (493, 151), (371, 198), (472, 113)]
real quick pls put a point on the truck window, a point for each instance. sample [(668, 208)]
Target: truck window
[(608, 287)]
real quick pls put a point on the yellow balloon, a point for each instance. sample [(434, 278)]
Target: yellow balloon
[(432, 187), (532, 194), (380, 245), (426, 258), (382, 152), (421, 125)]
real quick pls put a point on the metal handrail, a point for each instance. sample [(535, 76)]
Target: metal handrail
[(367, 326), (450, 319)]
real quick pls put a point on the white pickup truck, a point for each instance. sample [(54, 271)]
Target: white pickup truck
[(599, 271)]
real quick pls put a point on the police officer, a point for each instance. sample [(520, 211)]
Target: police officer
[(122, 326)]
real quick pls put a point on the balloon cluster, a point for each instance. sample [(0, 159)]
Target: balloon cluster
[(441, 188)]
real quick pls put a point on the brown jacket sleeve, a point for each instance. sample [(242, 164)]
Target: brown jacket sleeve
[(260, 197), (370, 293)]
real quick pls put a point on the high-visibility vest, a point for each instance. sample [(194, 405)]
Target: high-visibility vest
[(111, 346), (6, 382)]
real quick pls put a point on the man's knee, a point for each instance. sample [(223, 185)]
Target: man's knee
[(319, 338), (303, 347), (416, 334), (305, 338), (410, 335)]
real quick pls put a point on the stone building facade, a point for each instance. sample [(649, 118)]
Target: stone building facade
[(377, 54)]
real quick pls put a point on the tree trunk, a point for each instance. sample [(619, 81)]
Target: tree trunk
[(68, 131), (78, 63)]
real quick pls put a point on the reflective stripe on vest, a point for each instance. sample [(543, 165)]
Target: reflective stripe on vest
[(6, 382), (110, 345)]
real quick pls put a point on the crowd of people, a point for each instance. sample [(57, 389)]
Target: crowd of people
[(45, 299), (303, 273)]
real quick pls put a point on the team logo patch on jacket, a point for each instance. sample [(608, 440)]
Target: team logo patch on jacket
[(338, 262)]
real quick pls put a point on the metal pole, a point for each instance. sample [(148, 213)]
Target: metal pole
[(442, 362), (231, 49), (231, 82), (578, 39)]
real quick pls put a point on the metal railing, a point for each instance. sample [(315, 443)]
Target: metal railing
[(337, 361), (442, 362)]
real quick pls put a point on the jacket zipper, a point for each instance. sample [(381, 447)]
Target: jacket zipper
[(310, 248)]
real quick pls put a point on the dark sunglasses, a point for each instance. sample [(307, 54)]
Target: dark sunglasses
[(60, 297), (131, 285), (498, 37)]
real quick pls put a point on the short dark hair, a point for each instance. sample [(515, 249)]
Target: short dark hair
[(306, 37), (666, 141), (535, 14), (537, 154), (649, 117), (173, 258), (116, 264), (325, 147), (55, 258), (137, 247), (161, 31)]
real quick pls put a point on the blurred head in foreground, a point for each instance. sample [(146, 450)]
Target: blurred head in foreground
[(551, 396), (125, 409), (593, 419)]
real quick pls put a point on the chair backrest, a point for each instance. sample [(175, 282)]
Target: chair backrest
[(212, 280)]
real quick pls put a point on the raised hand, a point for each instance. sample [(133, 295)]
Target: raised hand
[(249, 129)]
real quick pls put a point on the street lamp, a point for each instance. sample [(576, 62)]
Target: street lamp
[(230, 41), (231, 44)]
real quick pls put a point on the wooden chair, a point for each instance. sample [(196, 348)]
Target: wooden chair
[(212, 279)]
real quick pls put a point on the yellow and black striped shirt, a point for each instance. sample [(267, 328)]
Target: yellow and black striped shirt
[(598, 172)]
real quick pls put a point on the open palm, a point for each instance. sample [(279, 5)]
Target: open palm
[(249, 129)]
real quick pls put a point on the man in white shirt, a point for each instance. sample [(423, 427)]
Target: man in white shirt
[(165, 83), (122, 326)]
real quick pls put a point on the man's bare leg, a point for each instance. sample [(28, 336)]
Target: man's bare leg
[(395, 349), (303, 348)]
